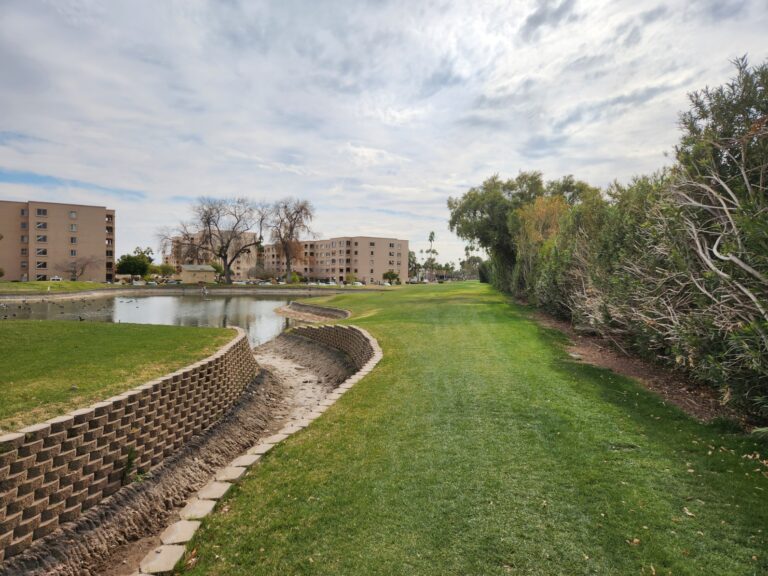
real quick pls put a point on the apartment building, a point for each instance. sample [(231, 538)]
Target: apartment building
[(41, 240), (367, 258)]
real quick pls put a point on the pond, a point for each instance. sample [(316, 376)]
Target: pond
[(254, 314)]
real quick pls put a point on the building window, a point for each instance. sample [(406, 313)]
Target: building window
[(110, 230), (373, 243), (23, 225), (24, 263), (42, 264), (24, 239), (41, 277), (109, 241), (41, 225), (25, 251), (73, 227), (42, 212), (23, 211), (110, 253), (73, 253), (110, 218), (41, 252), (40, 238), (73, 239), (73, 215), (371, 252), (109, 265), (371, 270), (391, 244)]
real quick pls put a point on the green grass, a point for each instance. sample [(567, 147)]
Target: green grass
[(478, 447), (52, 287), (50, 367)]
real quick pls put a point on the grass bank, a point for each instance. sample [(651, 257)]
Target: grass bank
[(50, 367), (478, 447), (52, 287)]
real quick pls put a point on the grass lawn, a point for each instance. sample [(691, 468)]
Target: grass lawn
[(50, 367), (52, 287), (478, 447)]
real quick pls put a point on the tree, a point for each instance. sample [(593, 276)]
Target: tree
[(391, 276), (413, 265), (291, 218), (163, 270), (223, 229), (136, 264), (75, 269), (350, 278), (432, 254)]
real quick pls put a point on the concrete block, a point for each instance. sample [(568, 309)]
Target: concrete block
[(162, 559), (214, 490), (196, 509), (245, 461), (260, 449), (180, 532), (275, 438), (230, 473)]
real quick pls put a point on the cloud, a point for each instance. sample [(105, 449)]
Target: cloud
[(46, 181), (375, 111), (548, 14)]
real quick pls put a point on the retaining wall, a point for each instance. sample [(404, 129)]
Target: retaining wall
[(348, 339), (323, 311), (51, 472)]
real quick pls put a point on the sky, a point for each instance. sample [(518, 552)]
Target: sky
[(376, 111)]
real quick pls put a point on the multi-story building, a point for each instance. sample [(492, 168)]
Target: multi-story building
[(40, 240), (366, 258)]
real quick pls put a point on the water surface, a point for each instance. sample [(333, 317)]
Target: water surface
[(254, 314)]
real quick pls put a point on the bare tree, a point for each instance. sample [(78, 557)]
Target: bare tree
[(223, 229), (76, 268), (290, 218)]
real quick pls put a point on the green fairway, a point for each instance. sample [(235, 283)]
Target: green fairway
[(478, 447), (49, 367)]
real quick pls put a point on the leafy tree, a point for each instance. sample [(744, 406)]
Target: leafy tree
[(391, 276), (350, 278), (136, 264)]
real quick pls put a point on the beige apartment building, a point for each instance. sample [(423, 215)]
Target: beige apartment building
[(367, 258), (42, 240)]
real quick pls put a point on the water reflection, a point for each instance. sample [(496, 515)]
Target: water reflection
[(256, 315)]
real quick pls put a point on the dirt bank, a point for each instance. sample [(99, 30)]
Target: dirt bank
[(113, 537)]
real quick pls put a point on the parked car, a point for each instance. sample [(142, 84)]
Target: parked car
[(55, 278), (239, 282), (357, 284), (151, 283), (386, 284)]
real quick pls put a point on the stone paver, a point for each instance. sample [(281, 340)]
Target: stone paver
[(275, 438), (229, 473), (180, 532), (196, 509), (162, 560), (260, 449), (213, 490), (245, 460)]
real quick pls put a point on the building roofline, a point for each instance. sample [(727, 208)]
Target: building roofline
[(58, 203)]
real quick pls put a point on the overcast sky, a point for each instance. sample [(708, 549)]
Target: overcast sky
[(375, 111)]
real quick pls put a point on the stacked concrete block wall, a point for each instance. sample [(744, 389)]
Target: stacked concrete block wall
[(318, 310), (348, 339), (51, 472)]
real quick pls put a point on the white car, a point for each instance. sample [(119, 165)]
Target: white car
[(357, 284), (386, 284), (55, 278), (239, 282)]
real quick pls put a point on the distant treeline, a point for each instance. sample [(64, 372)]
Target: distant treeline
[(673, 265)]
